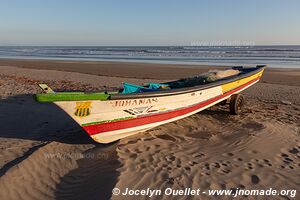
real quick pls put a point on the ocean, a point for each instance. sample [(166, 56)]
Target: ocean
[(274, 56)]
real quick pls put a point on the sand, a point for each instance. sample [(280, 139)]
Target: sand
[(45, 155)]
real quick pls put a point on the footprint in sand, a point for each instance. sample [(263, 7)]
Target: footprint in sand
[(249, 165), (170, 181), (206, 166), (226, 171), (216, 165), (238, 159), (134, 156), (289, 158), (138, 151), (255, 179), (192, 163), (223, 168), (294, 150), (228, 154), (241, 186), (252, 152), (157, 151), (284, 155), (267, 162), (187, 168), (224, 164), (164, 166), (170, 158), (198, 155)]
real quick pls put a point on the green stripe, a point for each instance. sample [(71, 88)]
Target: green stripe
[(106, 121), (72, 96)]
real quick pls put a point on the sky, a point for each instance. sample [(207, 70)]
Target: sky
[(151, 22)]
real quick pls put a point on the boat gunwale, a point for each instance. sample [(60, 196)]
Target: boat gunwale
[(106, 96), (177, 91)]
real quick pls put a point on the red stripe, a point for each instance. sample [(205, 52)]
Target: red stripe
[(139, 121)]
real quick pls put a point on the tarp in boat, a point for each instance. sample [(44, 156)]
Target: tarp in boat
[(129, 88), (157, 86)]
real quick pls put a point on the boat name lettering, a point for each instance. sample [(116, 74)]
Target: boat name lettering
[(133, 102)]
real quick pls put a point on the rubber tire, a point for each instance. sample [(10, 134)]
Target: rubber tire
[(236, 104)]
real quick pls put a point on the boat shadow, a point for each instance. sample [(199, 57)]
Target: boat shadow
[(21, 117), (217, 112)]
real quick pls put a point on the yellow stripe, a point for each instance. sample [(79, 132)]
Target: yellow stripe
[(229, 86)]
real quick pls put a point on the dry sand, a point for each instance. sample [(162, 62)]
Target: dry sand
[(45, 155)]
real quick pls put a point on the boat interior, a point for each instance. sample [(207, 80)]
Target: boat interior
[(202, 79), (213, 77)]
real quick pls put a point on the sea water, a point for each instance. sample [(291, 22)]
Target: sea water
[(274, 56)]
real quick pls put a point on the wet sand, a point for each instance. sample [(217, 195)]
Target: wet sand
[(144, 70), (45, 155)]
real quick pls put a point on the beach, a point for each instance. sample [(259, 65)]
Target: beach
[(46, 155)]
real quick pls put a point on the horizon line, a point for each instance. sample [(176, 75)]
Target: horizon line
[(148, 45)]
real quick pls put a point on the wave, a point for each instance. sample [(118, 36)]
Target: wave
[(253, 54)]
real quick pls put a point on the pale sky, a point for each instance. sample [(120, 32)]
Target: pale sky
[(152, 22)]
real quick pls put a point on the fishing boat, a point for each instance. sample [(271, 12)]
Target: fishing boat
[(111, 115)]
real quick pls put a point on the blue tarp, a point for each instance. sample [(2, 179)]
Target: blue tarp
[(157, 86), (131, 88)]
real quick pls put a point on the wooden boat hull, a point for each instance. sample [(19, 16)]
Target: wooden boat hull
[(111, 120)]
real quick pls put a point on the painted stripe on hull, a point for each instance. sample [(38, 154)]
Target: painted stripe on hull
[(111, 136), (140, 121)]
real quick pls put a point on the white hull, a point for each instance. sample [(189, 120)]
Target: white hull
[(110, 120)]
